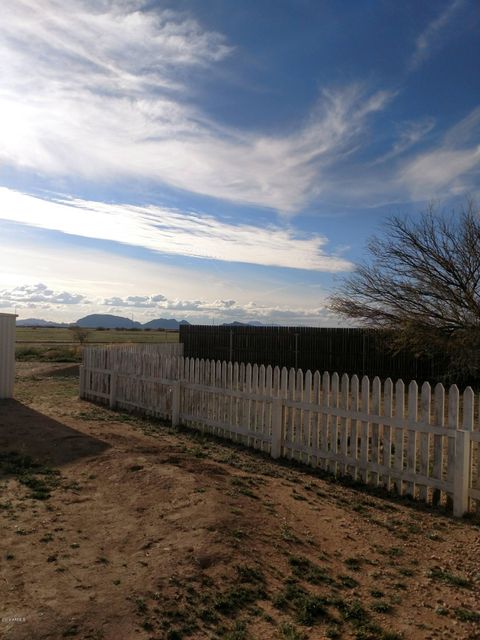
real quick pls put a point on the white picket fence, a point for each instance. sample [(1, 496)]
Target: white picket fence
[(423, 444)]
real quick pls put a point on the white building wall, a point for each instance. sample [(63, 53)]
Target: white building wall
[(7, 354)]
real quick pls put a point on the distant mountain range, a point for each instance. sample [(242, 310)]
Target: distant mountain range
[(36, 322), (164, 323), (253, 323), (108, 321)]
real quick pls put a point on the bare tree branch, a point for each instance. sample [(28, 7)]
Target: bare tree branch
[(421, 283)]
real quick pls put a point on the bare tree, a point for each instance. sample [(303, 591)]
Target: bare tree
[(80, 334), (422, 285)]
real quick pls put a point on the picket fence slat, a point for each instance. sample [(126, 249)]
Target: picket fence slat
[(425, 405), (453, 415), (343, 438), (412, 434), (354, 405), (375, 447), (364, 429), (332, 467), (315, 418), (325, 404), (387, 431), (409, 442), (298, 412)]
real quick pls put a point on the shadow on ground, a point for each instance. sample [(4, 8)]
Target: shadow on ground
[(48, 441)]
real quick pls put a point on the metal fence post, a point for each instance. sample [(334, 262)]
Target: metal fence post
[(277, 428), (461, 478)]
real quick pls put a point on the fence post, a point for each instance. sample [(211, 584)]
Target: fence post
[(277, 428), (113, 389), (461, 478), (176, 395)]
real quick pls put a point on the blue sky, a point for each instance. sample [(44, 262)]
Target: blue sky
[(223, 160)]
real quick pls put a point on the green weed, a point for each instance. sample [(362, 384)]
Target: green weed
[(466, 615), (308, 571), (381, 607), (250, 574), (437, 573), (287, 631)]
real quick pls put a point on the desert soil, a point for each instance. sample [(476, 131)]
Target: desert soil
[(115, 527)]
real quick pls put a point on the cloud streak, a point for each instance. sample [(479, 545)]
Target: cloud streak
[(109, 91), (104, 91), (430, 37), (450, 168), (172, 231), (411, 134)]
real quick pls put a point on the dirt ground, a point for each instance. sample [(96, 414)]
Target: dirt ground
[(118, 528)]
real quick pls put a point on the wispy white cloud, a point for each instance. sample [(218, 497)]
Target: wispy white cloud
[(430, 38), (107, 90), (450, 168), (465, 132), (104, 91), (411, 134), (441, 172), (414, 170), (173, 232)]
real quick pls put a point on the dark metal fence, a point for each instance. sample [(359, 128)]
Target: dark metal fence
[(352, 351)]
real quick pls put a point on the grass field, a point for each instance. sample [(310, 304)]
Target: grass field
[(61, 345)]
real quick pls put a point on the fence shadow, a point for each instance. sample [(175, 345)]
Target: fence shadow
[(47, 441)]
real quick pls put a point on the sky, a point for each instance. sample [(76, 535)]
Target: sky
[(220, 160)]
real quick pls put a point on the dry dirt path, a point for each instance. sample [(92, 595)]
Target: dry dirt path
[(120, 528)]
